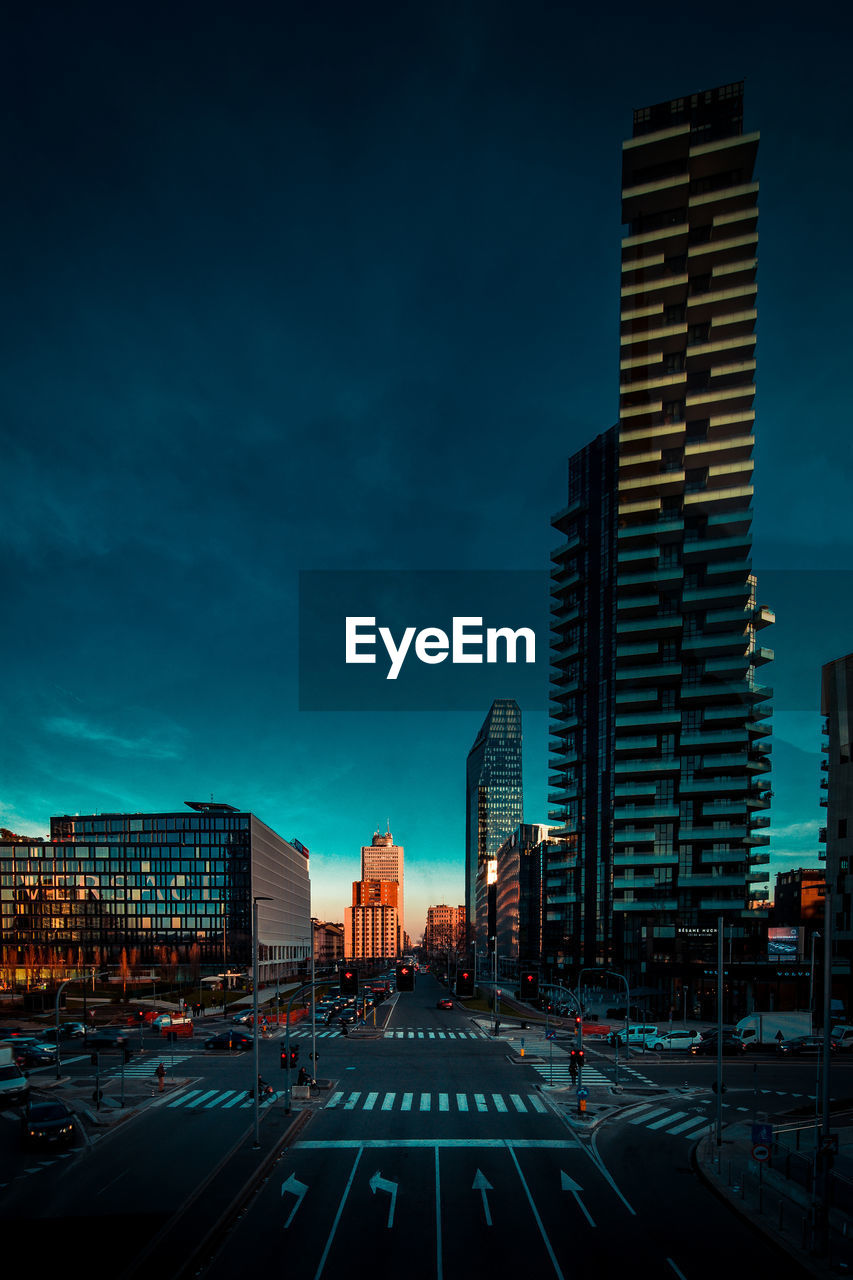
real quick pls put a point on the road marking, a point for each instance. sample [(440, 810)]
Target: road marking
[(237, 1098), (498, 1101), (441, 1035), (674, 1115), (352, 1100), (679, 1273), (517, 1103), (443, 1102), (431, 1035), (426, 1101), (482, 1184), (203, 1097), (518, 1144), (388, 1102), (298, 1189), (179, 1102), (569, 1184), (216, 1102), (693, 1123), (319, 1271), (536, 1216), (462, 1102), (537, 1103), (647, 1115), (335, 1099), (480, 1099), (406, 1104), (370, 1101), (378, 1183)]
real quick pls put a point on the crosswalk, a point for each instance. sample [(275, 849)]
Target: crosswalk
[(145, 1068), (414, 1033), (681, 1124), (215, 1099), (560, 1074), (493, 1103)]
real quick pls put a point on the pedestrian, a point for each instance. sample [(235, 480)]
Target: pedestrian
[(161, 1077)]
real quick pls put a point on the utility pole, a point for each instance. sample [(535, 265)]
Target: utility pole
[(719, 1124)]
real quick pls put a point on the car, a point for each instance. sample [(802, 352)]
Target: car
[(37, 1055), (444, 1003), (48, 1124), (67, 1031), (673, 1041), (107, 1038), (14, 1085), (230, 1042), (242, 1018), (168, 1019), (634, 1036), (348, 1015), (706, 1046), (796, 1045)]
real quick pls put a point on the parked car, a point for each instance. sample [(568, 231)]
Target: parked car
[(733, 1046), (797, 1045), (635, 1036), (48, 1124), (37, 1055), (229, 1041), (673, 1041), (14, 1085)]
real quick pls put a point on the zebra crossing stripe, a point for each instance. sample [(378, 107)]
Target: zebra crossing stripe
[(203, 1097), (388, 1102), (500, 1105), (443, 1102), (426, 1101), (179, 1102), (480, 1099), (536, 1103), (370, 1101), (420, 1035), (238, 1098), (406, 1104), (461, 1102), (517, 1103), (647, 1115), (349, 1105), (216, 1101), (335, 1099), (692, 1123), (668, 1119)]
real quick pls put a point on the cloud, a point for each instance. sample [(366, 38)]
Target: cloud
[(793, 831), (159, 748)]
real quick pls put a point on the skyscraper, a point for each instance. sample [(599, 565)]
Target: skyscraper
[(382, 859), (493, 809), (659, 759)]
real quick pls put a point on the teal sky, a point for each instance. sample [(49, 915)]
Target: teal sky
[(337, 287)]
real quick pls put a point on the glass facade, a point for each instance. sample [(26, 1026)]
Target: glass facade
[(152, 885), (494, 808)]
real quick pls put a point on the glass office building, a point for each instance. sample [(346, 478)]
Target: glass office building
[(177, 885), (493, 809)]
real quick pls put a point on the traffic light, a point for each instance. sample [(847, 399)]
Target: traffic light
[(405, 977), (349, 982), (128, 1054), (93, 1058), (464, 982), (577, 1020), (294, 1054), (576, 1057), (529, 985)]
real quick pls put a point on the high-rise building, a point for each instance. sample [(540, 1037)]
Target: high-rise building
[(372, 923), (382, 859), (493, 809), (837, 783), (659, 754), (519, 896)]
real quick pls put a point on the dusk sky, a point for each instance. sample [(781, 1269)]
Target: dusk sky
[(336, 286)]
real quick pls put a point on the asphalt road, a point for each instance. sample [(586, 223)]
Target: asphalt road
[(434, 1142)]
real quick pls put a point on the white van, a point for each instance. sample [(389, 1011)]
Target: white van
[(14, 1085), (634, 1037)]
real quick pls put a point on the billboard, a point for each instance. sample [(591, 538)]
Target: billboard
[(784, 942)]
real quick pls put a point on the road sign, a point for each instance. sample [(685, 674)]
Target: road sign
[(549, 1035), (762, 1134), (760, 1152), (583, 1092)]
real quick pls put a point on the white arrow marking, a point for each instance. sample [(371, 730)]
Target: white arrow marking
[(568, 1184), (378, 1183), (298, 1189), (482, 1184)]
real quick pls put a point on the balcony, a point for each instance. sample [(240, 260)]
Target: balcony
[(652, 906), (664, 764), (698, 880), (700, 739), (763, 617), (658, 671), (645, 859), (657, 812), (634, 835), (722, 904), (711, 786), (634, 882)]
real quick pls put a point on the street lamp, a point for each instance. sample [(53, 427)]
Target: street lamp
[(257, 1092)]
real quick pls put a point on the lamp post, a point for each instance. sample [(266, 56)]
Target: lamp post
[(256, 1090), (495, 945), (313, 1007)]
